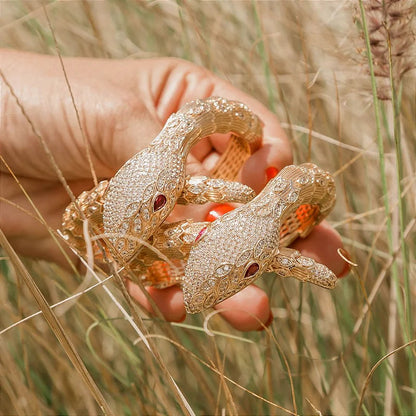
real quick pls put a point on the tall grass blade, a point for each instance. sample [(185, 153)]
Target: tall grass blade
[(55, 326)]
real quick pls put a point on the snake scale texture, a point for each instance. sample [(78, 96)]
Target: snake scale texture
[(126, 216)]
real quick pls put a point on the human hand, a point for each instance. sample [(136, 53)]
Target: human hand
[(122, 105)]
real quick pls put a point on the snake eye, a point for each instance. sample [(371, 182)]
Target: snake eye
[(159, 203), (252, 270)]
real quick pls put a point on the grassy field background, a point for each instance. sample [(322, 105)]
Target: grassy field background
[(326, 352)]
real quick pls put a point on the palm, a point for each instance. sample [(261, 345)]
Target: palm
[(121, 106), (110, 121), (113, 118)]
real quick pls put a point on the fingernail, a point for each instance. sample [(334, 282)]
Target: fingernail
[(347, 265), (271, 172), (267, 323), (218, 211)]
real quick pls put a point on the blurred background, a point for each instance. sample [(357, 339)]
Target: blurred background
[(308, 62)]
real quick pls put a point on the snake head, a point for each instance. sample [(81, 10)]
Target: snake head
[(140, 197), (241, 245), (232, 252)]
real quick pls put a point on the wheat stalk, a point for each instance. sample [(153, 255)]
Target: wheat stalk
[(391, 30)]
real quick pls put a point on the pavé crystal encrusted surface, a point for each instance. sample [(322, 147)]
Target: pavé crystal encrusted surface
[(219, 258), (129, 212), (250, 235)]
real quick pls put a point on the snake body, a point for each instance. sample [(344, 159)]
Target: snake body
[(145, 190), (243, 244), (211, 261)]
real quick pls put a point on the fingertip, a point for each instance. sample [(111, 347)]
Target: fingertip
[(267, 323), (275, 153), (345, 271), (347, 260), (247, 310), (280, 154), (322, 245), (169, 301)]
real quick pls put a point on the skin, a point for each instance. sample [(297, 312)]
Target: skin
[(122, 105)]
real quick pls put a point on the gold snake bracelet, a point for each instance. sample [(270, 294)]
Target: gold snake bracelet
[(211, 261)]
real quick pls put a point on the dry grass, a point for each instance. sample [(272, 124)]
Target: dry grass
[(307, 61)]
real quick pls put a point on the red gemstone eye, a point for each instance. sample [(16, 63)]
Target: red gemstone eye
[(252, 270), (200, 234), (159, 203)]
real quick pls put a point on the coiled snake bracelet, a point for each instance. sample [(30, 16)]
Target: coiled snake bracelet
[(211, 261)]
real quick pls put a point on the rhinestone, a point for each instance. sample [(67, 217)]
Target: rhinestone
[(243, 283), (320, 270), (173, 121), (264, 211), (252, 270), (223, 270), (149, 191), (284, 261), (188, 238), (196, 180), (137, 225), (131, 247), (293, 196), (131, 209), (170, 186), (195, 190), (280, 184), (92, 196), (197, 300), (187, 125), (146, 214), (261, 244), (207, 285), (278, 209), (124, 227), (158, 139), (216, 183), (199, 109), (120, 244), (306, 261), (223, 285), (243, 258), (254, 122), (159, 202)]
